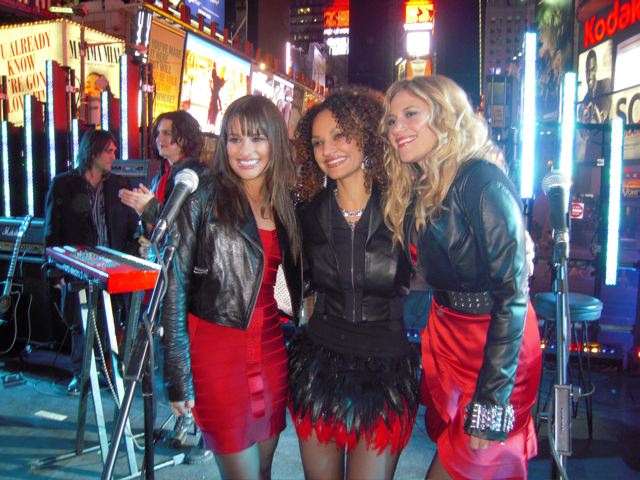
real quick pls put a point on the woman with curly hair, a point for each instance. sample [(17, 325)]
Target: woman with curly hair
[(481, 354), (353, 373)]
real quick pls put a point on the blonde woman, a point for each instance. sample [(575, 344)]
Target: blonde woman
[(481, 349)]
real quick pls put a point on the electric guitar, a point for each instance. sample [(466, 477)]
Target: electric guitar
[(5, 299)]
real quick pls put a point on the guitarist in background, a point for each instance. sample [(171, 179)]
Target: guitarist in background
[(83, 208)]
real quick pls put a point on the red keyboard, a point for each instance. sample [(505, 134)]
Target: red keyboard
[(116, 271)]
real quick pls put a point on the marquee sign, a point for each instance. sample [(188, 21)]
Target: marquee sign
[(619, 18), (419, 12)]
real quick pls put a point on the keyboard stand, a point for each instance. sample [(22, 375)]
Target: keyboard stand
[(88, 296)]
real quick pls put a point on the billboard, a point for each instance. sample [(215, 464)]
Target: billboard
[(166, 50), (609, 84), (276, 89), (212, 78), (25, 48), (594, 84), (212, 10), (555, 54)]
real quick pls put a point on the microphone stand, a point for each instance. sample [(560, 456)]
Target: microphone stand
[(560, 440), (139, 370)]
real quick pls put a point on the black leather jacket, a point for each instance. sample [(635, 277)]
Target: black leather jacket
[(152, 211), (478, 245), (216, 275), (386, 273)]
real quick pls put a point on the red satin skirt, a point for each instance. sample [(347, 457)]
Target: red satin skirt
[(241, 376), (452, 352)]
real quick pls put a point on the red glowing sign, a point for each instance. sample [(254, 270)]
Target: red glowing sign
[(421, 11), (577, 210), (619, 18), (337, 15)]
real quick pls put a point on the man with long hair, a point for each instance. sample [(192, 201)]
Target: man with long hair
[(83, 208)]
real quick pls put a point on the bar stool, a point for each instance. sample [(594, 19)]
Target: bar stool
[(584, 310)]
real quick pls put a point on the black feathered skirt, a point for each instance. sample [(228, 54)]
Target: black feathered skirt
[(345, 398)]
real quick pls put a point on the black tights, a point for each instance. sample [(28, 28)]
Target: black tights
[(254, 463), (326, 461)]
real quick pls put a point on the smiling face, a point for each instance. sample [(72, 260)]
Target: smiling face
[(337, 157), (408, 127), (249, 153)]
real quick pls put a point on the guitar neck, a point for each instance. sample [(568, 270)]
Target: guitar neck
[(12, 267), (14, 257)]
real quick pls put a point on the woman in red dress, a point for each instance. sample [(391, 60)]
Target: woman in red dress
[(481, 354), (225, 355)]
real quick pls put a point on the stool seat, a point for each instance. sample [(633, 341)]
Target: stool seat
[(582, 308)]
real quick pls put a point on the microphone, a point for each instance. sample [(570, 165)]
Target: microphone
[(556, 186), (185, 183)]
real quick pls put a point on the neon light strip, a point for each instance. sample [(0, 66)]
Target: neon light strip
[(528, 125), (104, 110), (75, 141), (51, 127), (124, 109), (5, 169), (28, 152), (568, 124), (615, 190)]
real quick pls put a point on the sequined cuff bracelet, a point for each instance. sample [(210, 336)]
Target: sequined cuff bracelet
[(495, 418)]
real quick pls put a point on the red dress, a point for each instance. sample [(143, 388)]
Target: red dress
[(452, 354), (241, 376)]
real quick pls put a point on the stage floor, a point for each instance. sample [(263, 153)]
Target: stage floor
[(38, 421)]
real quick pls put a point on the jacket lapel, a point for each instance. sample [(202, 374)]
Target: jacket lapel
[(375, 217), (249, 230)]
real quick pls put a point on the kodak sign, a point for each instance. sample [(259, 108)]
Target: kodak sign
[(620, 17)]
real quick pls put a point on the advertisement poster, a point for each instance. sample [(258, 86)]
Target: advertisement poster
[(276, 89), (166, 49), (25, 48), (212, 78), (212, 10), (554, 19), (594, 84)]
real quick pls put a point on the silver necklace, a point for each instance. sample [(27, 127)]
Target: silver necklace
[(347, 213)]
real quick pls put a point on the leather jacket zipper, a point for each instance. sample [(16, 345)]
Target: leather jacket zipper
[(353, 283)]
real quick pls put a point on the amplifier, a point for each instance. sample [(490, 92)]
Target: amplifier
[(32, 246), (137, 171)]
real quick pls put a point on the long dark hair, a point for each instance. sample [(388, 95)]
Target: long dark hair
[(257, 114), (92, 144)]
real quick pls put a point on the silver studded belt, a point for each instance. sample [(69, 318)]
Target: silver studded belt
[(475, 303)]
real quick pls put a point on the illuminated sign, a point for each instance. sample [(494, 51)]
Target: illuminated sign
[(619, 18), (212, 78), (211, 10), (166, 49), (25, 48), (276, 89), (419, 12), (419, 43), (338, 43), (337, 16)]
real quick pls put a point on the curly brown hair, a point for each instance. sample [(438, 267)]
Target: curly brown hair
[(357, 111)]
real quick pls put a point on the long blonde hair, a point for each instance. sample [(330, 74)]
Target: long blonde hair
[(461, 135)]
